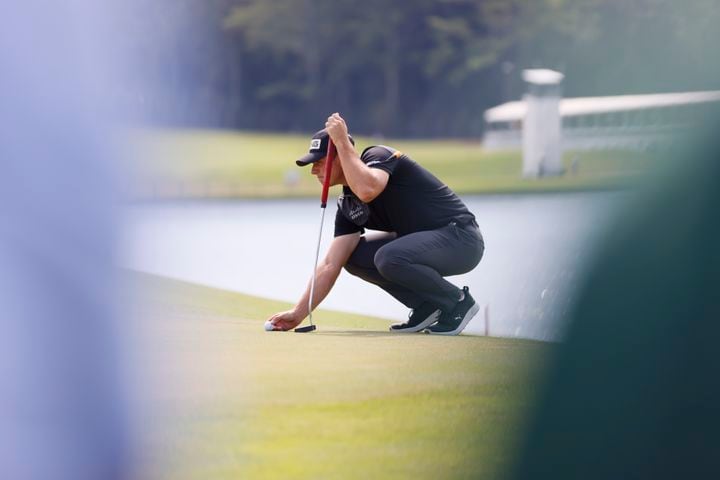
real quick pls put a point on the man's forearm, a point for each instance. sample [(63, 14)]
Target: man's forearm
[(354, 169), (325, 277), (366, 183), (360, 178)]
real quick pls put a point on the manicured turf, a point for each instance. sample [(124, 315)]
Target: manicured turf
[(196, 163), (230, 400)]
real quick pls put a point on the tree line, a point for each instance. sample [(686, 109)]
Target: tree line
[(420, 68)]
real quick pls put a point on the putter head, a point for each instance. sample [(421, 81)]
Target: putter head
[(309, 328)]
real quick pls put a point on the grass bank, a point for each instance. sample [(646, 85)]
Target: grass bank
[(197, 163), (228, 400)]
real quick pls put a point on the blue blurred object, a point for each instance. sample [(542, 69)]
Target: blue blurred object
[(63, 408)]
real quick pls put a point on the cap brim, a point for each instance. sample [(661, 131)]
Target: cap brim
[(309, 158)]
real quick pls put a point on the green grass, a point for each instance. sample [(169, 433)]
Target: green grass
[(347, 401), (198, 163)]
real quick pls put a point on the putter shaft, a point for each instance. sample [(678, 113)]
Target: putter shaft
[(317, 256), (323, 203)]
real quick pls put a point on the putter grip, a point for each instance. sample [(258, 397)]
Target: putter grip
[(328, 171)]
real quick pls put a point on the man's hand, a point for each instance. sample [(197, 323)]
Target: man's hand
[(283, 321), (327, 272), (336, 128)]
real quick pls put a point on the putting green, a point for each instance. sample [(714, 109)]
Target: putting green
[(228, 400)]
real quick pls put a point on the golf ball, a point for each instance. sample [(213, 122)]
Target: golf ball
[(268, 326)]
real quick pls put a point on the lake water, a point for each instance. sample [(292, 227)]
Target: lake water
[(536, 248)]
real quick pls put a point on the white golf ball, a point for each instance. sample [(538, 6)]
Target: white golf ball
[(268, 326)]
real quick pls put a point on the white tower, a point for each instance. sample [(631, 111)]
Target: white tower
[(542, 127)]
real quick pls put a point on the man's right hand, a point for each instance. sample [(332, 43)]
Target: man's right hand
[(327, 272), (285, 320)]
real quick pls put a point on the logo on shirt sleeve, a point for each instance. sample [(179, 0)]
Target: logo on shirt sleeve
[(353, 209), (394, 154)]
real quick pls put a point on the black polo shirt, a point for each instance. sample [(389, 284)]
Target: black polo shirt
[(413, 200)]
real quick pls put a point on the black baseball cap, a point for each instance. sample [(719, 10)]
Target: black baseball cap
[(318, 148)]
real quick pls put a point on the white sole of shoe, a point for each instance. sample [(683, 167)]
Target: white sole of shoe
[(420, 326), (468, 316)]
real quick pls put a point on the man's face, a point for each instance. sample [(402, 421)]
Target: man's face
[(318, 169)]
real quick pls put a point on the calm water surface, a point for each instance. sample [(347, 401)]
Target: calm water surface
[(536, 249)]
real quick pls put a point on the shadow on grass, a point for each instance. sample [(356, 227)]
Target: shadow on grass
[(354, 333), (366, 333)]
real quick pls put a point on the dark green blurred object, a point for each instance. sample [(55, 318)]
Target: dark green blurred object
[(635, 389)]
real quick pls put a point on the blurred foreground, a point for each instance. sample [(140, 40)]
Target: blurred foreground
[(634, 391)]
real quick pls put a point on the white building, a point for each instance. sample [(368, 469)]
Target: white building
[(617, 122)]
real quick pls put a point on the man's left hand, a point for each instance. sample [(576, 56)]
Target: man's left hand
[(336, 128)]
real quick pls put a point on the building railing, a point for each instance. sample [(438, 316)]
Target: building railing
[(632, 137)]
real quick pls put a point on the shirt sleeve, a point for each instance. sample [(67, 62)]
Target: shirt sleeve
[(343, 226), (382, 157)]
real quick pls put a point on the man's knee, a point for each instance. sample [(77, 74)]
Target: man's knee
[(388, 261), (353, 269), (360, 265)]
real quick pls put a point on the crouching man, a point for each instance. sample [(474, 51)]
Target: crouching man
[(426, 234)]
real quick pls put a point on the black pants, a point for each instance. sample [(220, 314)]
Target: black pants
[(411, 268)]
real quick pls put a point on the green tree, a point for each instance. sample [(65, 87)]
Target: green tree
[(369, 54), (426, 67)]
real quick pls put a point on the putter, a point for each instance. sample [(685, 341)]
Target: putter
[(323, 204)]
